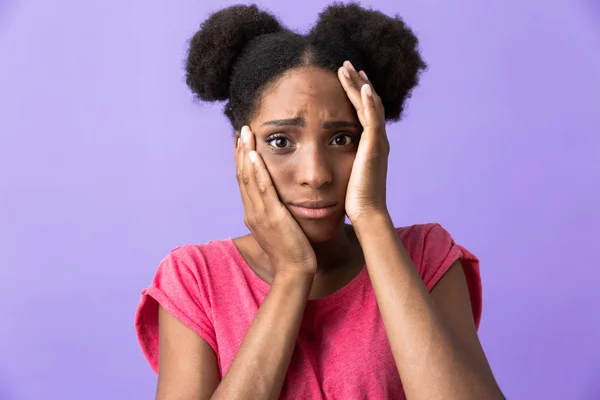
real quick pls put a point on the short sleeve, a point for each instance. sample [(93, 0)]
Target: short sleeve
[(439, 253), (177, 287)]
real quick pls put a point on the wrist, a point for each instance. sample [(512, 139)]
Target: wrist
[(294, 279), (373, 221)]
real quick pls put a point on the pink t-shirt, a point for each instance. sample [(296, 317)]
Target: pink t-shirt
[(342, 351)]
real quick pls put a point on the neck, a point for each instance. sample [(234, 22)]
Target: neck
[(341, 250)]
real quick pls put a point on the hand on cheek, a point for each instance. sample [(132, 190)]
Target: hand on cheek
[(366, 193), (270, 222)]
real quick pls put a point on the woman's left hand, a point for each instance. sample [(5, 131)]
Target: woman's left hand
[(366, 191)]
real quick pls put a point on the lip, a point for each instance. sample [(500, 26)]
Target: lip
[(313, 209)]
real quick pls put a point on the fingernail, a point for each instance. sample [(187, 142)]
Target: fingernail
[(345, 72), (252, 156), (351, 66), (244, 134), (368, 90), (363, 75), (238, 142)]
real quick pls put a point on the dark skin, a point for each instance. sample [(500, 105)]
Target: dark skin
[(432, 335), (307, 133)]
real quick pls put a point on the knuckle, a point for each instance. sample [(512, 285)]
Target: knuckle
[(251, 222), (262, 188), (245, 179)]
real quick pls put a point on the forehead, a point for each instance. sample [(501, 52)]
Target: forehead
[(309, 92)]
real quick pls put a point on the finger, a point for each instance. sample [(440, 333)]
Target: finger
[(369, 108), (365, 80), (265, 193), (364, 76), (236, 141), (249, 141), (354, 75), (351, 87), (238, 161), (260, 189), (236, 152), (248, 174), (360, 78), (352, 82), (242, 176), (374, 138)]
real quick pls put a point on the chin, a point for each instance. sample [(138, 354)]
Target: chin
[(319, 231)]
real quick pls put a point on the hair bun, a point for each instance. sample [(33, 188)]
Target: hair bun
[(214, 49), (386, 47)]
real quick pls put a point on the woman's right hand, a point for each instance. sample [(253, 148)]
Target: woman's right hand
[(270, 222)]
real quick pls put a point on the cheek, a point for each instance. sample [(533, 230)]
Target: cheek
[(278, 168), (281, 169), (344, 168)]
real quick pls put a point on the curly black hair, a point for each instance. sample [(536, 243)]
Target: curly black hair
[(240, 49)]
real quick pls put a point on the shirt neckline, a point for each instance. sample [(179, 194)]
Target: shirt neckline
[(329, 301)]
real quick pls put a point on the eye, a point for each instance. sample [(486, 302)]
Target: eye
[(345, 139), (278, 141)]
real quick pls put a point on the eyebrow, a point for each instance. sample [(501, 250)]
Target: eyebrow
[(339, 124), (300, 122), (285, 122)]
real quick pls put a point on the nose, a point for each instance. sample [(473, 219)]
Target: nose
[(313, 168)]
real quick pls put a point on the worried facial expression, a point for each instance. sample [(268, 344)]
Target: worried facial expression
[(307, 133)]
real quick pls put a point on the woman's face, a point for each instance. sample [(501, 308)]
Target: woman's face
[(307, 132)]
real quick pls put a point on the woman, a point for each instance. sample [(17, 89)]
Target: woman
[(306, 306)]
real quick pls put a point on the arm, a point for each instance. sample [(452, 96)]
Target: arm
[(432, 336), (436, 350), (188, 367)]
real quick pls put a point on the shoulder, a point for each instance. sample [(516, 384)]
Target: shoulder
[(182, 285), (422, 240), (434, 251), (198, 259), (421, 230), (184, 281)]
